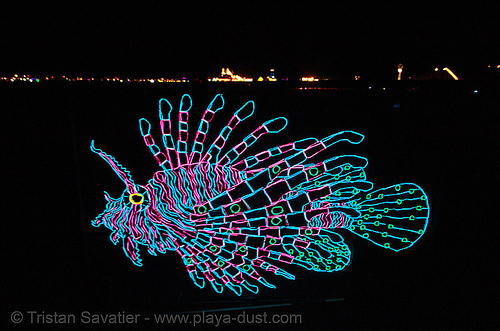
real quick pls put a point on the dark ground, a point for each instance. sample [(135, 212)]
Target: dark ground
[(442, 136)]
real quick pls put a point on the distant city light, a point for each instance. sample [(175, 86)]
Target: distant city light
[(228, 76), (400, 70), (34, 79), (272, 77), (451, 73)]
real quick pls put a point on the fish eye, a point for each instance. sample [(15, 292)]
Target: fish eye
[(136, 198)]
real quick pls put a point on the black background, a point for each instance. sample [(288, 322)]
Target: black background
[(443, 136)]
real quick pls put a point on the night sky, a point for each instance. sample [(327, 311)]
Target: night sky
[(196, 40)]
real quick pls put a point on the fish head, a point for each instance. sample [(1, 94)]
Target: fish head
[(134, 218)]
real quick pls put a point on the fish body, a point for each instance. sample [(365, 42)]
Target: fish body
[(232, 218)]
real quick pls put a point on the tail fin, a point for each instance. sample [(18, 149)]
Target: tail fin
[(394, 217)]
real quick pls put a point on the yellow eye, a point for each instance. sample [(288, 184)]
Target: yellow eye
[(136, 198)]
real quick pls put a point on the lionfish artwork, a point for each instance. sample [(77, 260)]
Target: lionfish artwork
[(234, 219)]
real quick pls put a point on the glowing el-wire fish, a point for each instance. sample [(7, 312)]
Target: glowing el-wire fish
[(232, 219)]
